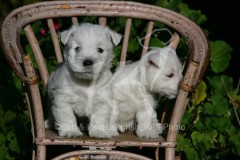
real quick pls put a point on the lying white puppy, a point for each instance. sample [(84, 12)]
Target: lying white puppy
[(72, 87), (135, 86)]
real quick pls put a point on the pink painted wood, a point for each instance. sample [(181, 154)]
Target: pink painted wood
[(21, 63)]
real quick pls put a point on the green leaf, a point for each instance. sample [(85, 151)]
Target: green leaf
[(220, 56), (155, 42), (204, 141), (186, 118), (198, 125), (51, 65), (236, 144), (213, 134), (222, 140), (192, 154), (28, 49), (3, 151), (200, 93), (17, 83), (218, 106), (170, 4), (194, 15), (13, 145), (9, 116), (182, 142), (198, 121), (235, 96), (9, 157), (122, 21), (197, 137), (232, 130), (36, 26), (133, 45), (10, 135), (220, 123), (221, 84), (137, 22), (2, 139)]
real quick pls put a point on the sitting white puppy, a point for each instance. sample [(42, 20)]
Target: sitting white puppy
[(135, 86), (72, 87)]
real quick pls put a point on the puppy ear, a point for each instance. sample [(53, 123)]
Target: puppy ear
[(153, 59), (66, 34), (116, 38)]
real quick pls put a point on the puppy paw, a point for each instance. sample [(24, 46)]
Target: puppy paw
[(98, 132), (48, 124), (159, 128), (121, 128), (113, 132), (70, 133), (150, 133), (126, 126)]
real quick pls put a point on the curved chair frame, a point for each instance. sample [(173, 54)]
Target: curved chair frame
[(21, 64)]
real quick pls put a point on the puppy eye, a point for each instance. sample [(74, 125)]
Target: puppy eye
[(100, 50), (170, 75), (77, 49)]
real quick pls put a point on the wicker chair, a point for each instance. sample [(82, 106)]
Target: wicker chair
[(20, 20)]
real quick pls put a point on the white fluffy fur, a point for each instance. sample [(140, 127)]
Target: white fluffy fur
[(134, 88), (72, 88)]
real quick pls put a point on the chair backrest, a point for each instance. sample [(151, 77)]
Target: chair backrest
[(21, 19)]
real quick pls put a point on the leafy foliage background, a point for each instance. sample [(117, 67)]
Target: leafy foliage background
[(211, 121)]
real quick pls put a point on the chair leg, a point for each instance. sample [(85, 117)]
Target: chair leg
[(157, 154), (169, 153), (41, 152), (34, 154)]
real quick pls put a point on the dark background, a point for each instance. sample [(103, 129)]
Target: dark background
[(223, 24)]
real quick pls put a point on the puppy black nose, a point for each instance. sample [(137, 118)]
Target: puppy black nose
[(87, 62)]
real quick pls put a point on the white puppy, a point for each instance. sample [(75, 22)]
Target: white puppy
[(72, 87), (135, 86)]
